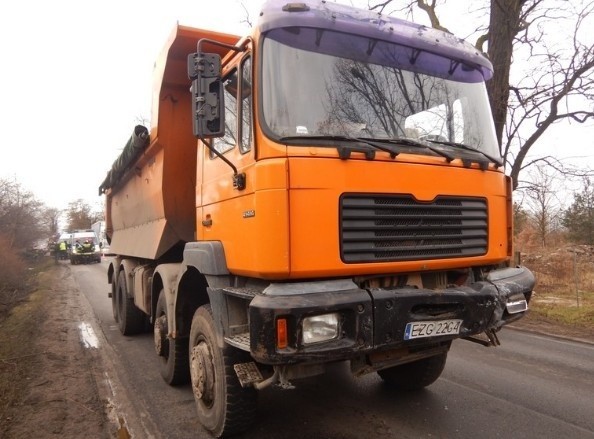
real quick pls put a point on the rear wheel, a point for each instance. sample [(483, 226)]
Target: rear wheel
[(415, 375), (224, 407), (130, 318), (173, 352)]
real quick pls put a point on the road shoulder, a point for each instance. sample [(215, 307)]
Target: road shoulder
[(57, 393)]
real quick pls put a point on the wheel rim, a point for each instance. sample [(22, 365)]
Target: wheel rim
[(202, 373), (160, 336)]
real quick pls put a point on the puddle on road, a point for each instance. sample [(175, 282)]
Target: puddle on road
[(87, 336), (105, 386), (123, 432), (117, 419)]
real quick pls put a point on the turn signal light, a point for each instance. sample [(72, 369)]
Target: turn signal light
[(281, 333)]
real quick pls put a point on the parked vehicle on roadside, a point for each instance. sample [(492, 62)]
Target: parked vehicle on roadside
[(83, 247)]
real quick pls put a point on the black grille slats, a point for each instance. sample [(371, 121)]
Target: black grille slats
[(384, 228)]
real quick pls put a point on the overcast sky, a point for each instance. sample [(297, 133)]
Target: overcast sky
[(76, 77)]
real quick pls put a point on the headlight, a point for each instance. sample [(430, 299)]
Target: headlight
[(320, 328)]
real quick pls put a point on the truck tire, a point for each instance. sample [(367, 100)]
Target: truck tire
[(224, 407), (173, 352), (415, 375), (130, 318)]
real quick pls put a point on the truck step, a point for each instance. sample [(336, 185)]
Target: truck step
[(240, 341), (248, 373), (244, 292)]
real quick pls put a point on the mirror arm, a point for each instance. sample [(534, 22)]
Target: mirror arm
[(238, 178), (241, 48)]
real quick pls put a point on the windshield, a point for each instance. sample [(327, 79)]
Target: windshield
[(384, 96), (83, 238)]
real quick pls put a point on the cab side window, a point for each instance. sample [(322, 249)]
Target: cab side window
[(229, 140), (237, 85), (246, 105)]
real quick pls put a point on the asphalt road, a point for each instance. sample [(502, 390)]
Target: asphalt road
[(532, 386)]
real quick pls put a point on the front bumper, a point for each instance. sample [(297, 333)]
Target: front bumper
[(375, 319), (86, 257)]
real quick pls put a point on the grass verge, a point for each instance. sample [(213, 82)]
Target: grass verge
[(564, 291), (564, 309), (18, 332)]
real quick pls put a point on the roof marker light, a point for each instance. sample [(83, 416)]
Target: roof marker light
[(295, 7)]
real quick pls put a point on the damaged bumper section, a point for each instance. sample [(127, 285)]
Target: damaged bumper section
[(85, 258), (336, 320)]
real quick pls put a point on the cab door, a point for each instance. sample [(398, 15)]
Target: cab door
[(226, 214)]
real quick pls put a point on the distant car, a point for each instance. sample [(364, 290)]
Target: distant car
[(79, 252)]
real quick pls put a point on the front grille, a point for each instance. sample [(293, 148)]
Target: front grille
[(383, 228)]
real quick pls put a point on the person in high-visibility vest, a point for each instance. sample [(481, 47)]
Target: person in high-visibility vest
[(88, 246), (62, 249)]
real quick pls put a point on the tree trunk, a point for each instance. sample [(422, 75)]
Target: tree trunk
[(503, 27)]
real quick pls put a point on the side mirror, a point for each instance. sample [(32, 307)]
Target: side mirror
[(208, 106)]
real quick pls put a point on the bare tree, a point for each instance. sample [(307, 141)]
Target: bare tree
[(51, 221), (558, 86), (247, 20), (81, 216), (543, 205), (20, 215)]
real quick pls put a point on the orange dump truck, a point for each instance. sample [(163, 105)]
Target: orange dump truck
[(328, 188)]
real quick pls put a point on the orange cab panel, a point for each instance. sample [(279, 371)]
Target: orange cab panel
[(336, 229), (252, 224)]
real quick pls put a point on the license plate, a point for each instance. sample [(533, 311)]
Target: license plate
[(432, 329)]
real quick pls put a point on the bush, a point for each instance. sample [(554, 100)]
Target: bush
[(12, 268)]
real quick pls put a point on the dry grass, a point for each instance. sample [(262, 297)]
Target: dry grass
[(17, 362), (12, 267), (21, 311), (564, 284)]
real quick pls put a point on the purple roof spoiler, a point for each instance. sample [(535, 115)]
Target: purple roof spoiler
[(436, 52)]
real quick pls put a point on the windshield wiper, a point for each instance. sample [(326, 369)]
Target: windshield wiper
[(498, 163), (345, 152), (418, 144)]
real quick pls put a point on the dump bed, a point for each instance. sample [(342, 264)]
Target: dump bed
[(151, 188)]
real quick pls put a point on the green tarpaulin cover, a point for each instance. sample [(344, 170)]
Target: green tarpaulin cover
[(137, 143)]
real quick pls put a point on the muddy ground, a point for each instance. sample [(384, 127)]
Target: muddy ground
[(50, 378)]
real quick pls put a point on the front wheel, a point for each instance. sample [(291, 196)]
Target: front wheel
[(173, 352), (415, 375), (224, 407)]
